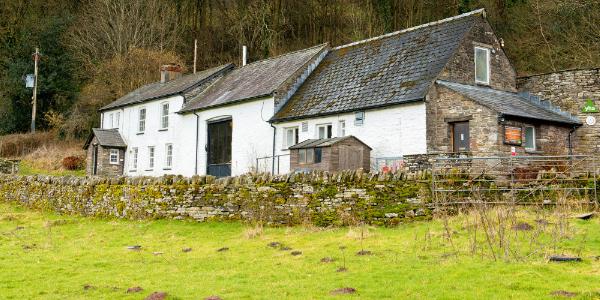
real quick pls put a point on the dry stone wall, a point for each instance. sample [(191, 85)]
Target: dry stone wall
[(321, 199)]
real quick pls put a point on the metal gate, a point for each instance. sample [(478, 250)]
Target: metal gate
[(517, 180)]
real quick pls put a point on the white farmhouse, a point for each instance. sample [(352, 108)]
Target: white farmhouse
[(445, 86)]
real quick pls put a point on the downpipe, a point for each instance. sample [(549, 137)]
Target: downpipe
[(273, 156)]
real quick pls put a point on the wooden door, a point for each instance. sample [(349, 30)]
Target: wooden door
[(460, 137), (350, 158), (95, 160), (219, 148)]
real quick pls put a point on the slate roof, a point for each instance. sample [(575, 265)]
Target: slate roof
[(512, 104), (391, 69), (160, 90), (257, 79), (106, 138), (317, 143)]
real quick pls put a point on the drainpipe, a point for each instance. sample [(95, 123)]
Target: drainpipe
[(273, 158), (197, 140), (571, 139)]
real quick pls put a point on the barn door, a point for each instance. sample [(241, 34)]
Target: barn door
[(460, 137), (219, 148)]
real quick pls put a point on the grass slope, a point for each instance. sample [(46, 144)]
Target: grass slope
[(54, 257)]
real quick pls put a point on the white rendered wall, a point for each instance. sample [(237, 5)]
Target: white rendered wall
[(391, 132)]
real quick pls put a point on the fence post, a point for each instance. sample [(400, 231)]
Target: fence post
[(595, 166)]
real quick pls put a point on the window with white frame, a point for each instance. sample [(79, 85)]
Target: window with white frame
[(482, 65), (290, 137), (168, 156), (114, 156), (341, 128), (118, 119), (151, 157), (359, 118), (164, 115), (111, 121), (142, 120), (134, 159), (324, 131), (529, 142)]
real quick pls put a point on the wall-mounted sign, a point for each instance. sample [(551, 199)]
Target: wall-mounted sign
[(513, 135), (590, 120), (29, 80), (589, 107)]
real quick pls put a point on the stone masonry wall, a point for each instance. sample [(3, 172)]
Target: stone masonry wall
[(569, 90), (461, 67), (319, 198), (105, 168)]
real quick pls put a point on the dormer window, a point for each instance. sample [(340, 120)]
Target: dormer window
[(482, 65)]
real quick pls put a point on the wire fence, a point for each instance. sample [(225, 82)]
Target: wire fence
[(517, 180), (279, 165)]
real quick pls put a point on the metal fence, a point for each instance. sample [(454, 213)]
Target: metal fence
[(519, 180), (265, 164)]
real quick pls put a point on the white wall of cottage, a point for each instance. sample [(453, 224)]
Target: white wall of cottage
[(391, 131)]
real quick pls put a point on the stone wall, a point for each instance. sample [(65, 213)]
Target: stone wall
[(317, 198), (461, 67), (570, 90)]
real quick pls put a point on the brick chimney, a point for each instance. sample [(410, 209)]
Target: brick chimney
[(170, 72)]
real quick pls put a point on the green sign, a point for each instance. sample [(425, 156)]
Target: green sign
[(589, 107)]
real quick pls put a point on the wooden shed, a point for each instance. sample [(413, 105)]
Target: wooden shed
[(333, 154)]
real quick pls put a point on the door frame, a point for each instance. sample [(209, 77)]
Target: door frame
[(453, 144), (221, 119)]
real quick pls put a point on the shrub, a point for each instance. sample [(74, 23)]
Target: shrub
[(73, 162)]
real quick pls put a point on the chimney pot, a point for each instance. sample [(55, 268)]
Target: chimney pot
[(169, 72), (244, 55)]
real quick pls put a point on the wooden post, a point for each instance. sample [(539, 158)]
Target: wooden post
[(36, 58)]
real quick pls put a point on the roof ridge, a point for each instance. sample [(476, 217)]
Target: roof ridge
[(285, 54), (474, 12)]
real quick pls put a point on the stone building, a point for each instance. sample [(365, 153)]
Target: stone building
[(105, 153), (576, 91), (334, 154)]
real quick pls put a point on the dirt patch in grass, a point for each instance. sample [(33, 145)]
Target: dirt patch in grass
[(157, 296), (327, 260), (343, 291), (363, 253), (562, 293), (135, 289), (522, 226)]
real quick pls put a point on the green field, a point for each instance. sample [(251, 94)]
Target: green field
[(49, 256)]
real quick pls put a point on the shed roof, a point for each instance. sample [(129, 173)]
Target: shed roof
[(173, 87), (257, 79), (391, 69), (319, 143), (512, 104), (106, 138)]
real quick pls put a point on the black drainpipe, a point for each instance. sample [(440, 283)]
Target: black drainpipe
[(571, 139), (273, 158), (197, 140)]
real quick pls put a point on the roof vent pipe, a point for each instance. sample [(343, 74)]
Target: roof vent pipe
[(244, 55)]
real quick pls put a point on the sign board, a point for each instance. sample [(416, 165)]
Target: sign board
[(29, 80), (590, 120), (513, 135), (590, 107)]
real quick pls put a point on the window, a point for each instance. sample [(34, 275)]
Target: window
[(134, 158), (164, 116), (324, 131), (482, 65), (111, 121), (168, 156), (291, 137), (318, 155), (118, 119), (302, 156), (310, 153), (304, 126), (151, 157), (114, 156), (359, 118), (529, 138), (142, 120), (341, 128)]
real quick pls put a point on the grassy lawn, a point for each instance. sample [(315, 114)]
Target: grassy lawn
[(48, 256), (27, 168)]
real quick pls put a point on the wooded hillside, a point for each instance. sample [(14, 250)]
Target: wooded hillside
[(94, 51)]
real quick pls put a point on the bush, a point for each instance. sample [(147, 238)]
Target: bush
[(73, 162)]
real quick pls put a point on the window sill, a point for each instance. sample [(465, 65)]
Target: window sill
[(132, 171), (139, 133), (166, 169), (285, 149), (164, 129), (482, 83), (113, 164)]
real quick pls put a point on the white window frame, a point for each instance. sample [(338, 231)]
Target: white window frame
[(487, 52), (359, 118), (295, 136), (168, 156), (341, 128), (534, 137), (111, 122), (151, 155), (318, 128), (134, 158), (164, 118), (142, 121), (113, 157), (118, 119)]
